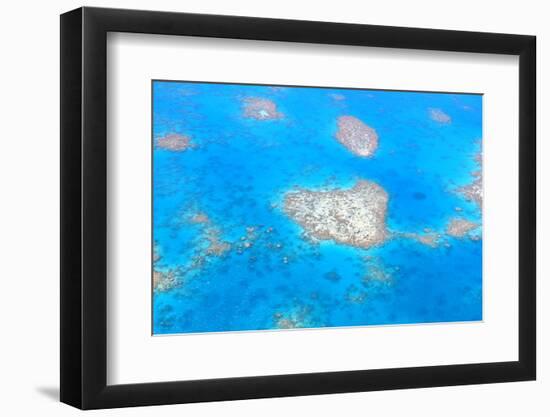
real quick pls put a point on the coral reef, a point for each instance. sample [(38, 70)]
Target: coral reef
[(355, 216), (261, 109), (164, 281), (299, 208), (174, 142), (296, 318), (377, 271), (459, 227), (356, 136), (355, 295), (156, 253), (474, 191), (200, 218), (440, 116), (216, 246), (427, 238), (247, 240), (337, 97)]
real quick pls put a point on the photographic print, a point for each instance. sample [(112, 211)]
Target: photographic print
[(298, 207)]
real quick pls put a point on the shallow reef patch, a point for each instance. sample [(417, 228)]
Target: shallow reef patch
[(156, 253), (355, 295), (459, 227), (199, 218), (377, 271), (216, 246), (356, 136), (164, 281), (296, 318), (438, 115), (259, 108), (474, 191), (355, 216), (427, 237), (174, 142), (337, 96)]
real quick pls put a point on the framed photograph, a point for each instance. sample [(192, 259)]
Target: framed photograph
[(259, 208)]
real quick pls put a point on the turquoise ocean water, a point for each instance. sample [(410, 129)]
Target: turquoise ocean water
[(237, 172)]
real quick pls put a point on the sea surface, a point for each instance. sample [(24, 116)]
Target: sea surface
[(228, 187)]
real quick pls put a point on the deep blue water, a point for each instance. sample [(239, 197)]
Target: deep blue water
[(238, 172)]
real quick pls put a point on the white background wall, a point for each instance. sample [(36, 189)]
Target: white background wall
[(29, 176)]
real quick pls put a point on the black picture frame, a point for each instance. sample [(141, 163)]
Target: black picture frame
[(84, 207)]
